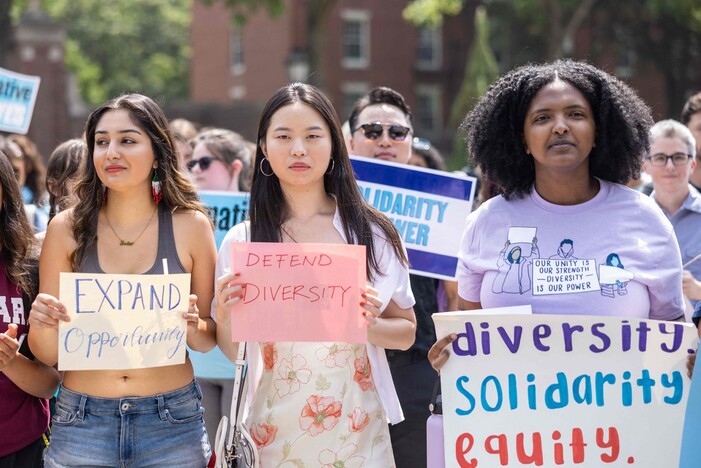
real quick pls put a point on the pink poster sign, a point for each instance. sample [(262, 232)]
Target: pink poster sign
[(299, 292)]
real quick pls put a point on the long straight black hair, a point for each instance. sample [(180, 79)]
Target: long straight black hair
[(269, 209)]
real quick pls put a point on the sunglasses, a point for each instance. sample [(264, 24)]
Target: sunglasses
[(374, 130), (204, 162)]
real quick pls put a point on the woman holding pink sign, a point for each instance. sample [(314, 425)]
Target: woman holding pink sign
[(137, 215), (561, 140), (318, 403)]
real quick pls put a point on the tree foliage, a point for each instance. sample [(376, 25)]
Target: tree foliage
[(126, 46), (242, 9)]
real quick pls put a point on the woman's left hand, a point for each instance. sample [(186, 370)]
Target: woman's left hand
[(371, 304), (192, 316), (8, 345)]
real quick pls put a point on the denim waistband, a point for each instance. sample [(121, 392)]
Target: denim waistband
[(88, 404)]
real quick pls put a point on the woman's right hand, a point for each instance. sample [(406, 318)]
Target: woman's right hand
[(439, 353), (47, 311), (229, 290)]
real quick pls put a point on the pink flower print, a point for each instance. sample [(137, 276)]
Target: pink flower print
[(293, 374), (269, 356), (357, 420), (320, 414), (362, 375), (263, 434), (345, 458), (334, 355)]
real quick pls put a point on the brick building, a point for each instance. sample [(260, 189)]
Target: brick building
[(365, 44)]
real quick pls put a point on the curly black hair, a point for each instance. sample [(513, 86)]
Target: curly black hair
[(494, 128)]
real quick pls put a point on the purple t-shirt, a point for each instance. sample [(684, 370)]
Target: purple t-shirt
[(614, 255), (23, 418)]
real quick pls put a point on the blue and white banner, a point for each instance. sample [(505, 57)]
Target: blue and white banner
[(226, 209), (428, 207), (18, 93)]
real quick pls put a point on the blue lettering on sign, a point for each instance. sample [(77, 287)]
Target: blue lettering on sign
[(126, 295)]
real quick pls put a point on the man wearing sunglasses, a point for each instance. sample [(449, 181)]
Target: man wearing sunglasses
[(670, 163), (380, 125)]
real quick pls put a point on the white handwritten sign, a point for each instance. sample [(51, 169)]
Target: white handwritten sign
[(122, 321), (549, 390)]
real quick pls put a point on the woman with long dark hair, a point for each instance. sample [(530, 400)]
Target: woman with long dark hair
[(135, 209), (25, 384), (304, 191)]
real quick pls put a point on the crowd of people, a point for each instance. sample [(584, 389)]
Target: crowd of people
[(554, 145)]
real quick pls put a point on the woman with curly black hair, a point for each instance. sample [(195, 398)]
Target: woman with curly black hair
[(560, 139)]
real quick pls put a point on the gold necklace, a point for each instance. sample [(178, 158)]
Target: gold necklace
[(123, 242)]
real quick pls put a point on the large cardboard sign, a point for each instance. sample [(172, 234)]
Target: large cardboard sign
[(226, 209), (299, 292), (428, 207), (563, 390), (122, 321), (18, 93)]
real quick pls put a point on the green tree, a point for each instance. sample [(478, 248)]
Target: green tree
[(480, 71), (555, 20), (126, 46)]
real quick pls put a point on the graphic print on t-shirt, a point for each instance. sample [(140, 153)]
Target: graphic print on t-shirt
[(514, 261), (564, 273), (613, 276), (11, 311)]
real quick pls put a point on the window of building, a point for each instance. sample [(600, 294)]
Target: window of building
[(429, 51), (355, 38), (429, 110), (352, 91), (238, 67)]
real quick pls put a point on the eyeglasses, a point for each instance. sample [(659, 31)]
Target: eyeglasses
[(660, 159), (204, 162), (374, 130), (421, 144)]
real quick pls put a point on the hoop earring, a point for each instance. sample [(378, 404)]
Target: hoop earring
[(329, 171), (261, 168)]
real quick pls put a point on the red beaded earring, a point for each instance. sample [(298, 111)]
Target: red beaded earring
[(156, 189)]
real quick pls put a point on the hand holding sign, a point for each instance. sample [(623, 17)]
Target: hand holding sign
[(47, 311)]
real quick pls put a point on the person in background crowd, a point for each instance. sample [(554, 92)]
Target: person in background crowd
[(25, 384), (183, 131), (221, 160), (28, 172), (381, 127), (560, 139), (671, 161), (424, 154), (62, 172), (135, 210), (304, 191), (691, 117)]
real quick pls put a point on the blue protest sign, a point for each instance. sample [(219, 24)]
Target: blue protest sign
[(691, 449), (428, 207), (226, 209), (18, 94)]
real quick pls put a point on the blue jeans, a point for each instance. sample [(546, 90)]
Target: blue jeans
[(155, 431)]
